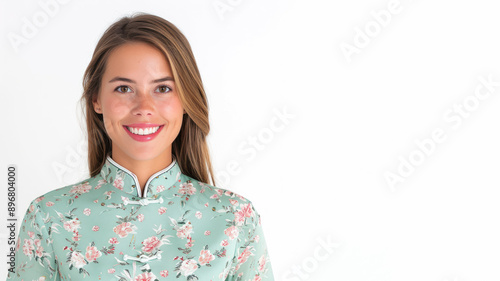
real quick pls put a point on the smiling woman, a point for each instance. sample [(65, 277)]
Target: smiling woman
[(147, 211)]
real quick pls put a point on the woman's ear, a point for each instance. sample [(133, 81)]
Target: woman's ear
[(97, 106)]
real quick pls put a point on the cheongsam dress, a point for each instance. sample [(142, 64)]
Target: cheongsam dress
[(103, 228)]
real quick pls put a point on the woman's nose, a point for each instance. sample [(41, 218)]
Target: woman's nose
[(144, 104)]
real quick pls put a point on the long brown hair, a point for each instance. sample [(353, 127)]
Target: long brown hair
[(190, 147)]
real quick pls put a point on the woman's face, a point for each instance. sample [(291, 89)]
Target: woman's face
[(139, 102)]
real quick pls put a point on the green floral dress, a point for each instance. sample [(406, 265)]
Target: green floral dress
[(103, 229)]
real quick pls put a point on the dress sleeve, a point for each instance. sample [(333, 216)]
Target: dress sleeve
[(34, 255), (251, 258)]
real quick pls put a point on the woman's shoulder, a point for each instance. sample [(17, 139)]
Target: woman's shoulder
[(217, 195), (53, 196)]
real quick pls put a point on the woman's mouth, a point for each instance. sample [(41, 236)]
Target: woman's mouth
[(143, 133)]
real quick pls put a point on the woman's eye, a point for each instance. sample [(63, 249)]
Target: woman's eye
[(120, 88), (164, 89)]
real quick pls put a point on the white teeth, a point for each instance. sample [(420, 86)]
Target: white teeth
[(146, 131)]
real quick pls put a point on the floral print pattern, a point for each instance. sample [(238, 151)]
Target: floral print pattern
[(101, 229)]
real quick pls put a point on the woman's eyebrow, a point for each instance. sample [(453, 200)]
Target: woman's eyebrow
[(167, 78)]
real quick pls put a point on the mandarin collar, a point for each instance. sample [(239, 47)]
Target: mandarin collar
[(123, 179)]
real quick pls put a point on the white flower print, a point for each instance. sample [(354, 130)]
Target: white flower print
[(28, 247), (160, 188), (72, 225), (198, 215), (188, 267), (81, 188), (185, 230), (77, 260), (118, 182), (187, 188)]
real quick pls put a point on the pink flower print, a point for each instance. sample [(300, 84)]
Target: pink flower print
[(164, 273), (206, 204), (202, 190), (95, 201), (150, 244), (113, 240), (188, 267), (239, 217), (86, 211), (72, 225), (92, 253), (31, 208), (162, 210), (100, 183), (262, 263), (28, 247), (77, 260), (198, 215), (247, 210), (39, 199), (95, 228), (49, 204), (190, 242), (111, 270), (232, 232), (233, 202), (76, 237), (207, 232), (219, 191), (215, 196), (80, 188), (187, 188), (205, 257), (257, 278), (31, 234), (242, 258), (146, 276), (124, 229), (185, 230), (224, 243), (39, 251), (140, 217), (160, 188), (118, 182)]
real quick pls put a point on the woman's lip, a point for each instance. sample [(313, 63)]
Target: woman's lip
[(143, 125), (143, 137)]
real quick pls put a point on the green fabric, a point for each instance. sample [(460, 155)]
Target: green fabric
[(103, 229)]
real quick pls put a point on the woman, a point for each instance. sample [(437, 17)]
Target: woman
[(147, 211)]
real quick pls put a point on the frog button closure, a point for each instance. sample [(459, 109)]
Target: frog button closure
[(143, 201), (142, 258)]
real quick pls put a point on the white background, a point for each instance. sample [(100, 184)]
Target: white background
[(319, 175)]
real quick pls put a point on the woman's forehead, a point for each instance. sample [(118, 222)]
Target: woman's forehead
[(138, 59)]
